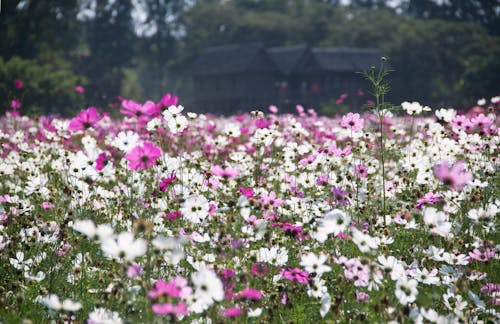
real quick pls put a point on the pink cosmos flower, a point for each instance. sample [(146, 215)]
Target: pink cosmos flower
[(170, 308), (361, 171), (18, 84), (233, 312), (273, 109), (295, 274), (80, 89), (356, 271), (101, 161), (142, 157), (15, 104), (352, 121), (461, 122), (429, 198), (134, 270), (134, 109), (167, 101), (166, 182), (225, 172), (362, 296), (250, 293), (482, 122), (456, 177), (340, 195), (340, 100), (341, 152), (247, 192), (271, 199), (47, 205), (65, 248), (174, 215), (85, 119), (259, 269), (484, 256)]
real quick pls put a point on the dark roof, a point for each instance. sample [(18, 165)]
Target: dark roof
[(253, 57), (287, 58), (346, 59), (231, 59)]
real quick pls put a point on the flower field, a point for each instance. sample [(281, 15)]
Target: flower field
[(165, 215)]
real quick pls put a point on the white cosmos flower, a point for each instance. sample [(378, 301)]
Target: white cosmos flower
[(88, 228), (446, 115), (125, 141), (333, 222), (413, 108), (53, 302), (254, 312), (437, 221), (195, 209), (177, 124), (313, 263), (104, 316), (406, 290), (275, 255), (124, 246), (426, 277), (326, 302), (364, 242), (392, 265), (208, 288), (454, 302)]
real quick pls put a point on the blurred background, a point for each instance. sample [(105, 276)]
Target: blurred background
[(443, 52)]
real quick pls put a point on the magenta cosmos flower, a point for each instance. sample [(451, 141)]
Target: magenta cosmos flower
[(352, 121), (142, 157), (456, 177), (18, 84), (80, 89), (132, 108), (85, 119)]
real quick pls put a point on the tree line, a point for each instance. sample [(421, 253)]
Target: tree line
[(442, 52)]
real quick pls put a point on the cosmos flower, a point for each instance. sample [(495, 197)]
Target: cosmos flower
[(143, 156), (313, 263), (428, 198), (132, 108), (225, 172), (208, 287), (85, 119), (104, 316), (361, 170), (406, 290), (232, 312), (18, 84), (195, 208), (352, 122), (124, 246), (80, 89), (295, 274), (53, 302), (455, 177), (437, 221), (364, 242)]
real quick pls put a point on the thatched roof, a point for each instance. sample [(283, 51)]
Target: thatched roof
[(231, 59), (288, 58), (253, 57), (343, 59)]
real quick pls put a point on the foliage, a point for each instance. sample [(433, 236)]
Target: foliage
[(49, 84)]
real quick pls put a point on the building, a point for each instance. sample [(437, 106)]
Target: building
[(242, 77)]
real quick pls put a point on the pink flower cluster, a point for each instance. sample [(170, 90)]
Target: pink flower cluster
[(165, 295), (455, 177)]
